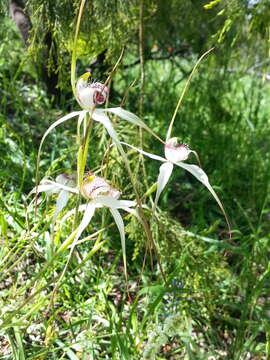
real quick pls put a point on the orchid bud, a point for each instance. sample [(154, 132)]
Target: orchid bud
[(176, 152), (90, 94), (93, 186)]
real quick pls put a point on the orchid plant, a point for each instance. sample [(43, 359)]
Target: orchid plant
[(94, 189)]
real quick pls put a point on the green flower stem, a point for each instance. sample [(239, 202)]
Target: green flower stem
[(83, 150), (74, 52), (183, 93)]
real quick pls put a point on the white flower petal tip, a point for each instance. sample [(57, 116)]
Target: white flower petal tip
[(93, 186), (176, 152), (90, 94)]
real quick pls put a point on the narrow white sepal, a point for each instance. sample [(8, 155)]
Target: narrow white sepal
[(58, 122), (165, 172), (128, 116), (112, 202), (133, 212), (203, 178), (120, 224), (87, 216), (48, 188), (80, 120), (99, 116), (58, 186), (61, 202), (152, 156), (195, 171)]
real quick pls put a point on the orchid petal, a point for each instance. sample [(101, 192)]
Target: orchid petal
[(133, 212), (58, 122), (61, 202), (120, 224), (62, 187), (48, 188), (126, 115), (165, 172), (203, 178), (152, 156), (130, 117), (74, 236), (112, 202), (87, 216), (99, 116), (80, 120), (81, 117)]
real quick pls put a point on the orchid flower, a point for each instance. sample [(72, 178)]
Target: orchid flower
[(89, 96), (98, 193), (175, 154)]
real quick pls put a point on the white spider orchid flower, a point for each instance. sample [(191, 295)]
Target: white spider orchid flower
[(175, 154), (89, 96), (98, 193)]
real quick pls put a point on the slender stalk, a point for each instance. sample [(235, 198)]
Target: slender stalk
[(74, 52), (142, 83), (142, 63), (184, 91)]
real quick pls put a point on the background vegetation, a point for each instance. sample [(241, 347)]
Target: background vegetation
[(215, 301)]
